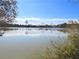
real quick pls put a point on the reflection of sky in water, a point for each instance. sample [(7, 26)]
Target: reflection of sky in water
[(33, 32), (26, 43)]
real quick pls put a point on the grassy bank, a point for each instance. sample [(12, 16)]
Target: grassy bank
[(68, 50)]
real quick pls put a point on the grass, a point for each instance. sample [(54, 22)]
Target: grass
[(70, 50)]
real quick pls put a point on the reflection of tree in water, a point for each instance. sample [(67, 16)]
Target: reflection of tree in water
[(26, 32), (4, 29), (1, 33), (68, 50)]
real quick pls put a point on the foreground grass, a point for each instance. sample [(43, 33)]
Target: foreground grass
[(70, 50)]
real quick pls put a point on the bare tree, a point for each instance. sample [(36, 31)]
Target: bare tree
[(26, 22), (7, 11)]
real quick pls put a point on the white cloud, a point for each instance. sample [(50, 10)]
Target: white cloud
[(37, 21)]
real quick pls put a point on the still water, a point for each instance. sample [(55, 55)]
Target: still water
[(27, 43)]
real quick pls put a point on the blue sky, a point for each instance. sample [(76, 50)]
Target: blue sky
[(48, 9)]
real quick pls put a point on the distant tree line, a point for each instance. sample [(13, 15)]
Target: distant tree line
[(18, 25), (64, 25)]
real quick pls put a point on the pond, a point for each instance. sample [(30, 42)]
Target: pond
[(27, 43)]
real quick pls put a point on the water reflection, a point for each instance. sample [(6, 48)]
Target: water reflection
[(10, 31), (26, 43), (1, 33)]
